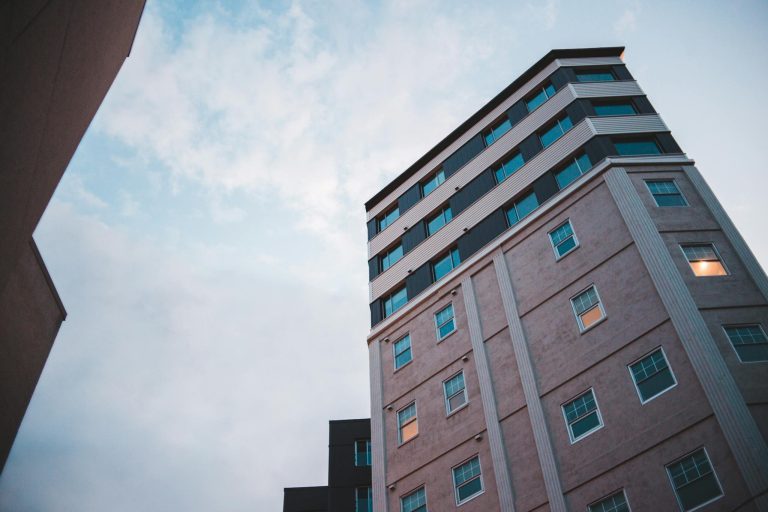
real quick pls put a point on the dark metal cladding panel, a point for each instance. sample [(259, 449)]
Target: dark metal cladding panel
[(643, 105), (545, 187), (463, 155), (418, 280), (472, 191), (579, 109), (598, 148), (409, 198), (414, 236), (668, 143), (480, 235), (371, 228), (621, 72), (305, 499), (376, 316), (517, 112), (562, 76), (343, 476), (530, 147), (373, 268)]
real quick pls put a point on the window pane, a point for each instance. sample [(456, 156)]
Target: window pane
[(537, 100), (708, 268), (440, 220), (389, 218), (391, 257), (614, 503), (456, 401), (509, 167), (551, 135), (591, 317), (637, 147), (701, 491), (446, 329), (615, 109), (561, 233), (583, 162), (526, 205), (670, 200), (470, 488), (414, 502), (655, 384), (499, 130), (397, 300), (749, 341), (595, 76), (409, 431), (512, 216), (567, 175), (694, 480), (443, 266), (585, 300), (565, 246), (584, 425), (403, 358), (700, 252), (444, 314)]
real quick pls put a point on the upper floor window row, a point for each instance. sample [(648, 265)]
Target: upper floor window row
[(615, 108), (496, 131), (440, 219), (391, 257), (388, 218), (540, 97), (432, 183), (595, 75), (521, 208), (508, 167), (555, 131)]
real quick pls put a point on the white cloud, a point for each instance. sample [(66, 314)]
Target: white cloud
[(627, 22)]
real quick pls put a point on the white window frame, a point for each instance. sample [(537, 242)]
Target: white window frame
[(744, 324), (400, 441), (622, 491), (394, 351), (456, 489), (632, 375), (558, 257), (674, 489), (656, 180), (448, 411), (413, 491), (714, 249), (597, 410), (583, 329), (437, 327)]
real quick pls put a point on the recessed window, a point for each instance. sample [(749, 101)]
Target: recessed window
[(415, 501), (402, 351), (432, 183), (395, 301), (497, 131), (637, 147), (508, 167), (652, 375), (704, 260), (407, 423), (363, 452), (563, 239), (445, 322), (455, 393), (467, 480), (694, 480), (616, 502), (542, 95), (575, 168), (442, 218), (615, 109), (749, 341), (556, 131), (445, 264), (589, 311), (363, 499), (388, 218), (521, 208), (391, 257), (595, 76), (666, 193), (582, 417)]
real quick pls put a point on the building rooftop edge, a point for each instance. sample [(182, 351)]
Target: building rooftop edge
[(561, 53)]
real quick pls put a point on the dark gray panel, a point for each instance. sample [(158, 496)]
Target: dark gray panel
[(472, 191), (463, 155), (621, 72), (375, 312), (530, 147), (414, 236), (598, 148), (480, 235), (562, 76), (371, 228), (418, 280), (643, 105), (668, 143), (545, 187), (305, 499), (579, 109), (409, 198), (516, 112), (373, 267)]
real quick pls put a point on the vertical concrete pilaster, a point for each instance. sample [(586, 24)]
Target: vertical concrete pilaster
[(737, 424), (378, 443), (488, 398), (530, 388)]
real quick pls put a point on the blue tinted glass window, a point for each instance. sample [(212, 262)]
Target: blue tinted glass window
[(467, 480), (434, 182), (563, 239), (402, 352), (389, 218), (395, 301), (556, 131), (414, 502), (569, 173), (444, 321), (497, 131), (637, 147), (652, 375), (391, 257), (509, 167), (445, 264), (526, 205), (615, 109), (540, 97), (438, 221), (666, 193), (594, 76), (582, 416)]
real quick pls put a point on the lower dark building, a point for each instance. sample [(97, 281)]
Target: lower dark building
[(349, 473)]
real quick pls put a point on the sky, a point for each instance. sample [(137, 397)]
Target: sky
[(208, 238)]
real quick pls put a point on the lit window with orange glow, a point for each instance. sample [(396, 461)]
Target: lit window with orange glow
[(704, 260), (588, 309), (407, 423)]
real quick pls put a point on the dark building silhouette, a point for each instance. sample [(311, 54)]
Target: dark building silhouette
[(349, 473), (58, 58), (563, 315)]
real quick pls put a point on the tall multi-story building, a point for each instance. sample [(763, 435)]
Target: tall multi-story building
[(58, 58), (349, 473), (563, 315)]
